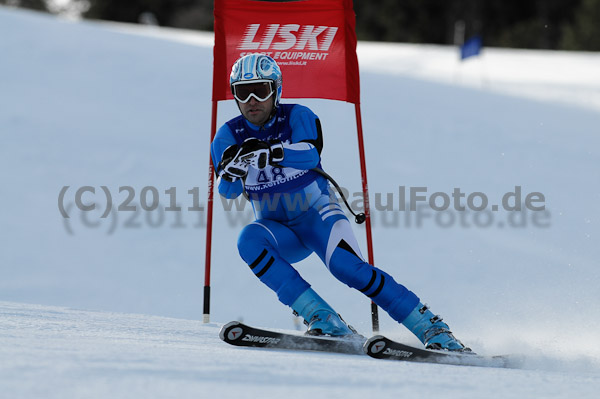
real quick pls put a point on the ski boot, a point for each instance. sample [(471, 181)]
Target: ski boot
[(320, 318), (432, 331)]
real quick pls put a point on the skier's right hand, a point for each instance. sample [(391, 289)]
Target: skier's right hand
[(253, 152), (231, 167)]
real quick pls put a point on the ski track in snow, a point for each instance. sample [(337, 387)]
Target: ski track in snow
[(55, 352)]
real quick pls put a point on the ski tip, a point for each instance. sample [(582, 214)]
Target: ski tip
[(376, 337), (374, 345), (226, 329)]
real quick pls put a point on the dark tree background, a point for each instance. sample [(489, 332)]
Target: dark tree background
[(188, 14), (540, 24), (39, 5)]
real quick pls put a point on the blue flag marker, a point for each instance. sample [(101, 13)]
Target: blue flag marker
[(471, 47)]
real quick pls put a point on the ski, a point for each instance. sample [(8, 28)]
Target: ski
[(239, 334), (380, 347)]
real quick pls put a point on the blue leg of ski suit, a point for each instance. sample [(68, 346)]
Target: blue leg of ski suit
[(270, 247)]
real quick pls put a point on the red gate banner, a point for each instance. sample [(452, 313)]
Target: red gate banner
[(313, 41)]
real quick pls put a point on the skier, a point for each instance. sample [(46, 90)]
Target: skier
[(269, 152)]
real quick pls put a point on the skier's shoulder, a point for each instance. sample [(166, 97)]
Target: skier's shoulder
[(224, 132), (234, 122), (231, 128), (299, 111), (225, 137)]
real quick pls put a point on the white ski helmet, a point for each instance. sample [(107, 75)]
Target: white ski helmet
[(257, 67)]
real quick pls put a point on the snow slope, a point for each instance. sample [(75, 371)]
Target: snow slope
[(85, 104), (56, 352)]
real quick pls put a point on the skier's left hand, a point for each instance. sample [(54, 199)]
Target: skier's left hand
[(259, 153)]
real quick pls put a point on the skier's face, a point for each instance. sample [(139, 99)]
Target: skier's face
[(257, 112)]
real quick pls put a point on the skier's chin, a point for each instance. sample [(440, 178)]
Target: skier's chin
[(256, 117)]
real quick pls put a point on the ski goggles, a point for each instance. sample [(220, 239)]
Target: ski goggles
[(259, 89)]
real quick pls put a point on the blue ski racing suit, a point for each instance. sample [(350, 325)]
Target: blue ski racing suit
[(296, 215)]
